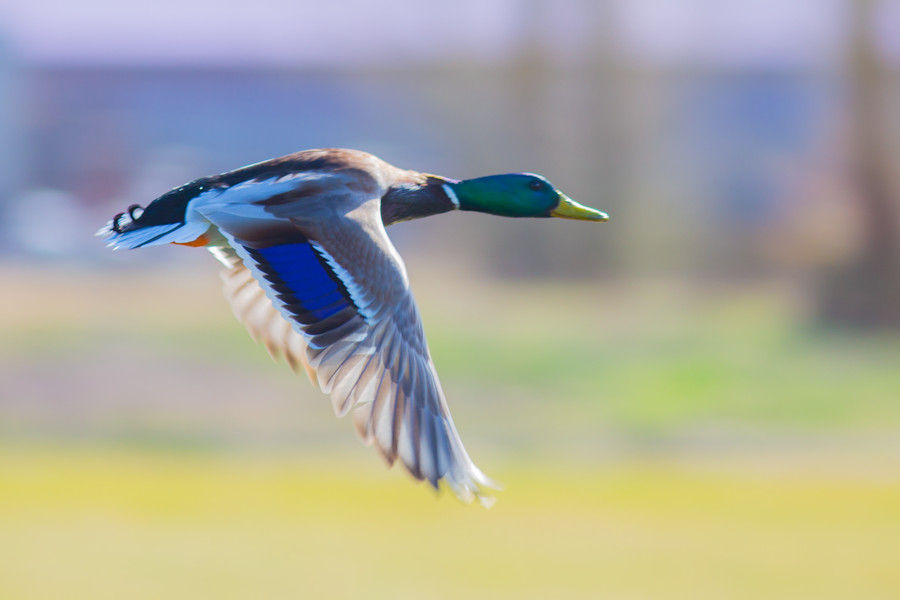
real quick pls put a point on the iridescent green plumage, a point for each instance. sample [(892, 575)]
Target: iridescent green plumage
[(520, 195)]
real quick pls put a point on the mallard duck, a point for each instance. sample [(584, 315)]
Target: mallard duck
[(312, 274)]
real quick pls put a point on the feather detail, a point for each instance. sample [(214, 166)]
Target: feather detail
[(312, 275), (252, 308), (178, 233)]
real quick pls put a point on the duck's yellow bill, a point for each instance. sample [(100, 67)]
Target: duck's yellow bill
[(569, 209)]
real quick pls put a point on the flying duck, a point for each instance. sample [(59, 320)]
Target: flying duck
[(311, 273)]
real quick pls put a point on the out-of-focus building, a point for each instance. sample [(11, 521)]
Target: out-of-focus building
[(692, 123)]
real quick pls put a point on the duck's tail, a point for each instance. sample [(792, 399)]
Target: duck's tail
[(164, 221)]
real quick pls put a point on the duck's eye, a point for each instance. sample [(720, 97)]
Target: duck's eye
[(536, 185)]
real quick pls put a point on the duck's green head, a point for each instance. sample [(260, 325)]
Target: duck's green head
[(520, 195)]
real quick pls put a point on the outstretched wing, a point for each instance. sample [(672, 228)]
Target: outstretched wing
[(343, 288), (253, 308)]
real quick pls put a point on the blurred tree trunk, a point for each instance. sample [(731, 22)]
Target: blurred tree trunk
[(568, 117), (867, 292), (524, 251)]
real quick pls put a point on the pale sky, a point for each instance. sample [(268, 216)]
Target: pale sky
[(298, 32)]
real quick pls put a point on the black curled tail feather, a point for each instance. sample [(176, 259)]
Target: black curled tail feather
[(163, 221), (115, 225)]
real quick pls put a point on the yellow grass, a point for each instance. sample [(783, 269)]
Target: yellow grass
[(93, 522)]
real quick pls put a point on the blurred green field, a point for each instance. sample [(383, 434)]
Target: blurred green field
[(654, 441), (100, 522), (651, 360)]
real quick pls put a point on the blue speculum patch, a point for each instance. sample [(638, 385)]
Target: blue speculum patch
[(304, 279)]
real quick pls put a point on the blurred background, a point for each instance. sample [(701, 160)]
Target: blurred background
[(700, 398)]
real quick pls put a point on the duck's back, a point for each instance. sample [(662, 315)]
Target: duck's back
[(367, 169), (310, 186)]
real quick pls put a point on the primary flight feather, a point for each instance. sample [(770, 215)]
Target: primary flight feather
[(311, 273)]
